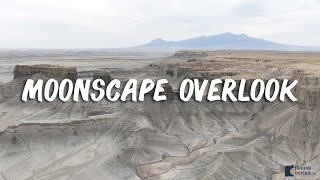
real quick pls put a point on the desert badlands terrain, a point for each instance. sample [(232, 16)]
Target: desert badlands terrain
[(158, 140)]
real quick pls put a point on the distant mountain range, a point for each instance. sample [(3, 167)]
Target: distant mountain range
[(226, 41)]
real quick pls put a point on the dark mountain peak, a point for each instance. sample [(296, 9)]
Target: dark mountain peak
[(225, 40), (243, 35), (226, 34), (157, 40), (230, 35)]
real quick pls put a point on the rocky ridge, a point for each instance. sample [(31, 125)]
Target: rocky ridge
[(50, 71)]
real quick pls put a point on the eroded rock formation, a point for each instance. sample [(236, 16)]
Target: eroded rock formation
[(168, 92), (170, 139), (104, 75), (50, 71), (308, 93), (190, 54)]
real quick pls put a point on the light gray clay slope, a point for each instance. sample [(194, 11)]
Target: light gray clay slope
[(163, 140)]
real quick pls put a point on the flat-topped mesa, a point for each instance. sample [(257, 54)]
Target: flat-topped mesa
[(190, 54), (308, 93), (50, 71)]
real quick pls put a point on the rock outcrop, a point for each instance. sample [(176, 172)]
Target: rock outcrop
[(50, 71), (104, 75), (190, 54), (168, 91), (308, 93)]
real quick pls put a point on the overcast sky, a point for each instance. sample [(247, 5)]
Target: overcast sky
[(121, 23)]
